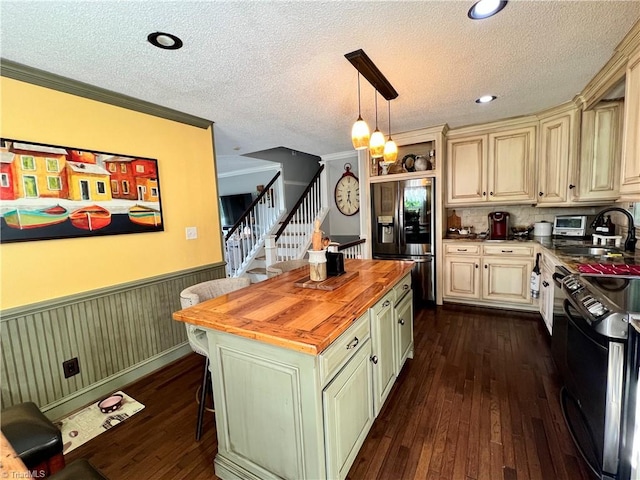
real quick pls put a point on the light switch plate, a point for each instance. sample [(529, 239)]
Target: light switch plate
[(192, 233)]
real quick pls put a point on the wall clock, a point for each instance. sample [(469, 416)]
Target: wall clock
[(347, 192)]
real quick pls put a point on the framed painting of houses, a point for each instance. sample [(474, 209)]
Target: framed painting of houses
[(51, 191)]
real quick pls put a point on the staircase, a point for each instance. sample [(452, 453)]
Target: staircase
[(250, 249)]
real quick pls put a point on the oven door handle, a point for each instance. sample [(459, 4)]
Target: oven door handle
[(557, 278)]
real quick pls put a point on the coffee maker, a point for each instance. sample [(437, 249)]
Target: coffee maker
[(498, 225)]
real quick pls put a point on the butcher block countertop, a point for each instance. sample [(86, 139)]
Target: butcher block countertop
[(303, 319)]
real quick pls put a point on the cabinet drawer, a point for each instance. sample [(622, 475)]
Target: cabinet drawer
[(384, 303), (402, 287), (461, 249), (511, 250), (343, 348)]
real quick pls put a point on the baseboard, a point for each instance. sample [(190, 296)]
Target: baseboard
[(96, 391)]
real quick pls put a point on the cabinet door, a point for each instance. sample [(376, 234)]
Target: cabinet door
[(383, 333), (630, 180), (546, 298), (404, 327), (511, 165), (462, 277), (600, 153), (348, 412), (506, 280), (556, 161), (466, 170)]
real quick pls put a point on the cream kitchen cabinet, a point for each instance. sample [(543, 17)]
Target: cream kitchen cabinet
[(495, 167), (462, 277), (599, 166), (547, 289), (466, 170), (506, 280), (630, 169), (557, 158), (496, 274)]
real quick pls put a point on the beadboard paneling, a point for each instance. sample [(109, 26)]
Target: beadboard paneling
[(110, 330)]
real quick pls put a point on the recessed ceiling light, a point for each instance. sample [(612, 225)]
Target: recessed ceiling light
[(486, 8), (164, 40), (486, 99)]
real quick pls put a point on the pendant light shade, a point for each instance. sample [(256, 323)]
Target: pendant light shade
[(360, 130), (360, 134), (376, 144), (390, 148)]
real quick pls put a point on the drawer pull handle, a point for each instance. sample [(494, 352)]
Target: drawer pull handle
[(374, 359), (476, 265), (486, 266), (405, 287), (545, 284), (353, 343), (462, 249), (386, 304), (401, 321), (507, 251), (571, 186)]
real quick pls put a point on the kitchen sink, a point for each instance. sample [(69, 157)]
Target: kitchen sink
[(589, 251)]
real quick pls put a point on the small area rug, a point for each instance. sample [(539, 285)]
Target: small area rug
[(80, 427)]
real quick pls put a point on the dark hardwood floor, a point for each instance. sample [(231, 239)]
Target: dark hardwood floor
[(478, 401)]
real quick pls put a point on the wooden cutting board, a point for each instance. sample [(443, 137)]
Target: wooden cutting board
[(454, 221), (331, 283)]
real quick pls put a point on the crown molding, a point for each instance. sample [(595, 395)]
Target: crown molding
[(613, 71), (34, 76)]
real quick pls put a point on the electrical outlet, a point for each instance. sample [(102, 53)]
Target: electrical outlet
[(192, 233), (71, 367)]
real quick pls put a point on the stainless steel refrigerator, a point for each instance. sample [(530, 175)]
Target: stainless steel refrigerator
[(402, 221)]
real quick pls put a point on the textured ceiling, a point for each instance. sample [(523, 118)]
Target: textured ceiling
[(273, 73)]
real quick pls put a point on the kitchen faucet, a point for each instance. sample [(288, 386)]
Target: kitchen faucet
[(630, 242)]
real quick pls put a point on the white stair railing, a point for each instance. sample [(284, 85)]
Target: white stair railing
[(293, 238), (247, 236)]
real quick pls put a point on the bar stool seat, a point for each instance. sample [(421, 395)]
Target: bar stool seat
[(197, 337), (36, 440), (80, 469)]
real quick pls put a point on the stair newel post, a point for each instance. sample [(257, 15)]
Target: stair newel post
[(323, 187), (270, 250)]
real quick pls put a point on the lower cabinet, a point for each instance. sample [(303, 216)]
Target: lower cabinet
[(348, 412), (506, 280), (383, 333), (404, 329), (488, 274), (546, 295)]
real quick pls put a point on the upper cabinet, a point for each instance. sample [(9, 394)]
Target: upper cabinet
[(599, 168), (494, 166), (558, 153), (630, 168)]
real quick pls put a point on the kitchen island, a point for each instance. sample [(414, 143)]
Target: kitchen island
[(299, 374)]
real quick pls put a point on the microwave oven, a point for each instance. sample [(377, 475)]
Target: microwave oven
[(573, 225)]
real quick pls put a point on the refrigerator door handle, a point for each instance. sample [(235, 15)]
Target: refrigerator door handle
[(402, 243)]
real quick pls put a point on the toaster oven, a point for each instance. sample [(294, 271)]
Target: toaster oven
[(572, 225)]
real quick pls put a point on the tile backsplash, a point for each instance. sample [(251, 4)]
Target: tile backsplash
[(476, 217)]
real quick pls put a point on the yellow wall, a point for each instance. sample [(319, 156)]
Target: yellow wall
[(46, 269)]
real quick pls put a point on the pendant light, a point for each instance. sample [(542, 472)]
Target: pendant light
[(376, 144), (360, 130), (390, 148)]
